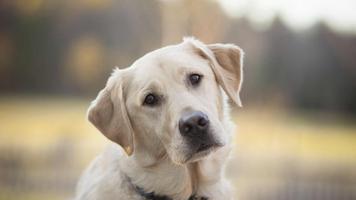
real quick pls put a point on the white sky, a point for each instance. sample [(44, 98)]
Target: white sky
[(298, 14)]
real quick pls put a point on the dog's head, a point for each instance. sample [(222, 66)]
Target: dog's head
[(169, 102)]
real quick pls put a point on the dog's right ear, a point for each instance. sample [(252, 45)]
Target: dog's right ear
[(108, 113)]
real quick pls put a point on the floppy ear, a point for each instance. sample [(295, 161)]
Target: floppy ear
[(108, 114), (226, 61)]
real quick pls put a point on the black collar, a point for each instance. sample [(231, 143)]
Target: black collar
[(153, 196)]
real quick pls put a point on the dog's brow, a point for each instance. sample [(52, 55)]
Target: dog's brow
[(153, 86), (182, 70)]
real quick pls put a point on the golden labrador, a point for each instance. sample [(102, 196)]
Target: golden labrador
[(169, 113)]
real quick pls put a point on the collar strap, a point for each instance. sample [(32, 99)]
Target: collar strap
[(153, 196)]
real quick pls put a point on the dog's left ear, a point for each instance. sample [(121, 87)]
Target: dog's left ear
[(226, 61)]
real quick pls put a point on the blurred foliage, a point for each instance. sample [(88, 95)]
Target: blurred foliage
[(69, 48)]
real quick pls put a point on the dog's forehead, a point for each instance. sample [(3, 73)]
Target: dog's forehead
[(167, 62)]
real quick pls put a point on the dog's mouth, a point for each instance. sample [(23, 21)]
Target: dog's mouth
[(203, 150), (204, 147)]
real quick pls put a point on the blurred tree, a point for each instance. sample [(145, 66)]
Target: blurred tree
[(189, 18), (70, 48)]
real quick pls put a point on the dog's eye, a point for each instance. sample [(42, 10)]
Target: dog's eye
[(195, 79), (151, 100)]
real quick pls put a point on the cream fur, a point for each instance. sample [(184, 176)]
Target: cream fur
[(156, 154)]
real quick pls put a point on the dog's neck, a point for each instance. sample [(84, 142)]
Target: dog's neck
[(163, 178), (179, 182)]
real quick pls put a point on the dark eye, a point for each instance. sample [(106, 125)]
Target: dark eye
[(195, 79), (151, 100)]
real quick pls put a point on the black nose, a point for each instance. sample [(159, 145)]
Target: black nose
[(193, 124)]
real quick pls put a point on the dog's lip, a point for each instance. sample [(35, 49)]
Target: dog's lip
[(208, 147), (204, 146), (202, 151)]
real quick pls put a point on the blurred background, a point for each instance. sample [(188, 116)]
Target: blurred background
[(296, 134)]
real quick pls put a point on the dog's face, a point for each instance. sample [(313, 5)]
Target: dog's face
[(173, 94), (170, 101)]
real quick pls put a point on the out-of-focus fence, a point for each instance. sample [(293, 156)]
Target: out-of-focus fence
[(294, 181), (277, 156), (54, 175)]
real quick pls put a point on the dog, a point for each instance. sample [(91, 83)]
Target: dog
[(169, 112)]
